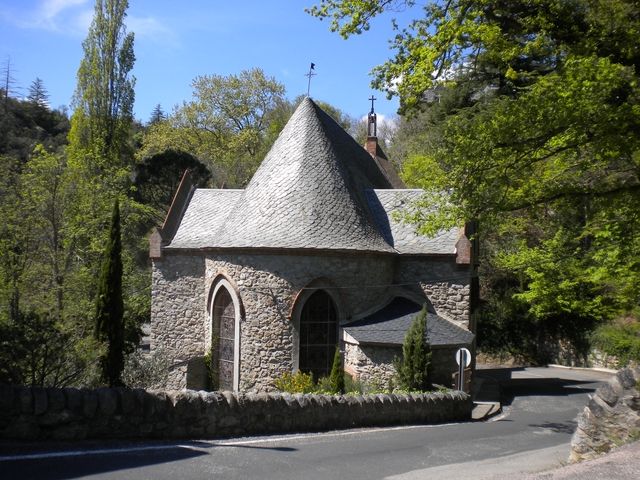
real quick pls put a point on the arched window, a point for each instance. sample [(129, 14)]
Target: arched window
[(318, 334), (223, 339)]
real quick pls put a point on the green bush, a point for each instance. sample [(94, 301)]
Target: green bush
[(337, 374), (620, 339), (298, 382)]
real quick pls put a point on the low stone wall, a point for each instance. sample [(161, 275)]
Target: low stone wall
[(611, 418), (76, 414)]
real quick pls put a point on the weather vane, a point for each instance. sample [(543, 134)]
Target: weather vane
[(309, 75)]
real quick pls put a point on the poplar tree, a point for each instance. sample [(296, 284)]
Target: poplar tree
[(104, 96), (109, 327)]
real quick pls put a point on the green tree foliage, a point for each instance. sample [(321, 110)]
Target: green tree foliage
[(536, 108), (226, 125), (37, 350), (24, 124), (103, 101), (336, 377), (157, 177), (38, 93), (413, 369), (157, 115), (620, 339), (110, 326)]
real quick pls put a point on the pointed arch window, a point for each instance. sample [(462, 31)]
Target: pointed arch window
[(224, 338), (318, 334)]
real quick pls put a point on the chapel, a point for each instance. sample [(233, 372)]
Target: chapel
[(312, 255)]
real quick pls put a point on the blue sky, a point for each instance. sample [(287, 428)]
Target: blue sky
[(179, 40)]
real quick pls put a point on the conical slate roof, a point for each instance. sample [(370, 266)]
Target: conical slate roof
[(316, 189), (309, 192)]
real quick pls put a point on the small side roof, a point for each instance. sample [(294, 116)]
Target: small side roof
[(388, 326), (205, 215)]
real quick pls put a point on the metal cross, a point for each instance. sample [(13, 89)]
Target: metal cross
[(373, 99)]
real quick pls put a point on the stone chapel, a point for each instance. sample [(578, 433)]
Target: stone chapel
[(311, 255)]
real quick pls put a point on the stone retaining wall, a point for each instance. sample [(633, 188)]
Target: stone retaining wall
[(611, 418), (75, 414)]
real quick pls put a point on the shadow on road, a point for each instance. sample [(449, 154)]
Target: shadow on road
[(510, 387), (121, 457)]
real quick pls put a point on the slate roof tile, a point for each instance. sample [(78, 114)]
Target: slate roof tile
[(403, 236), (317, 188), (389, 325)]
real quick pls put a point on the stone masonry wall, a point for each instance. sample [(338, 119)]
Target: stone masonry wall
[(71, 414), (268, 286), (611, 418), (178, 311), (371, 364), (447, 285)]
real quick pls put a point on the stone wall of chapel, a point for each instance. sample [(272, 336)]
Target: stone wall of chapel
[(447, 285), (178, 312), (268, 285), (374, 365)]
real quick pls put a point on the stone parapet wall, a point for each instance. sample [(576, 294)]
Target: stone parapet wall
[(611, 418), (28, 413)]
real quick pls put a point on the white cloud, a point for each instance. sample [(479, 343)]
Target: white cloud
[(151, 28), (75, 16), (60, 15), (50, 9)]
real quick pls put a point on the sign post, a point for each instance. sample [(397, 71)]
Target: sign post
[(463, 358)]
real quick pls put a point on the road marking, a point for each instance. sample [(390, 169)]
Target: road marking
[(212, 443)]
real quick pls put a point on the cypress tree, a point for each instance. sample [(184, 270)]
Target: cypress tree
[(110, 307), (336, 377), (414, 367)]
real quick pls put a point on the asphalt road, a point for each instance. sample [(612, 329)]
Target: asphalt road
[(532, 434)]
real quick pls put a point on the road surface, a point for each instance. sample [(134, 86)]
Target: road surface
[(532, 434)]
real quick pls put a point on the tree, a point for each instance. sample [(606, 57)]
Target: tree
[(110, 326), (157, 115), (38, 94), (156, 179), (7, 82), (336, 378), (103, 101), (539, 145), (413, 369), (226, 125), (36, 350)]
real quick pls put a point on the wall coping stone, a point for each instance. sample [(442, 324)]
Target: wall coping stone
[(32, 413)]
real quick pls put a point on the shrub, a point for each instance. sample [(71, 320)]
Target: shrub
[(337, 374), (298, 382), (37, 350), (620, 339), (146, 370), (413, 369)]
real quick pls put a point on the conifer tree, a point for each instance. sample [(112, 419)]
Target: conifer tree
[(414, 367), (336, 378), (109, 326), (38, 93)]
